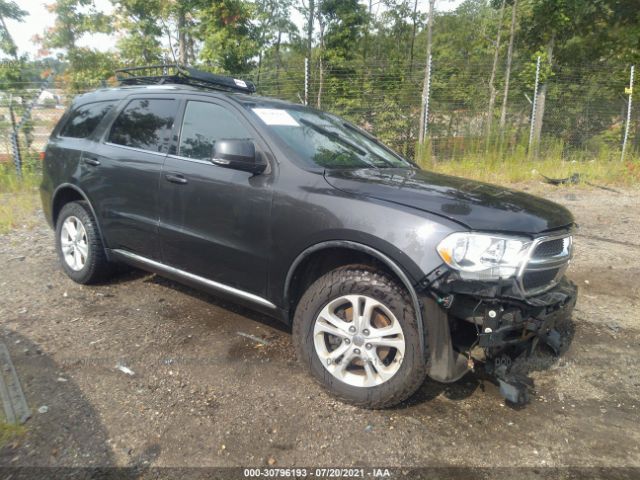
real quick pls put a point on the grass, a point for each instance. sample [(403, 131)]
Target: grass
[(603, 167), (19, 198), (9, 432), (594, 171)]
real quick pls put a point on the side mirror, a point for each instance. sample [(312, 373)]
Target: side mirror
[(238, 155)]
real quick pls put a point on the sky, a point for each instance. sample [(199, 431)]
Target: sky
[(39, 19)]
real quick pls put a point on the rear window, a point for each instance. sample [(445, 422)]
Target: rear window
[(83, 120), (145, 124)]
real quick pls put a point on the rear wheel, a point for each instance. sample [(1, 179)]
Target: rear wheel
[(356, 332), (79, 244)]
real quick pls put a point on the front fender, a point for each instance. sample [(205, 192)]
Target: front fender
[(390, 263)]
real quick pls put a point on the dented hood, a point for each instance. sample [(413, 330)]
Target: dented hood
[(476, 205)]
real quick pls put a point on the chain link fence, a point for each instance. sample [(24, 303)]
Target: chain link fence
[(583, 112)]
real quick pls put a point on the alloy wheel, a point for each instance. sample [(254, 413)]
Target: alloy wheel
[(74, 243), (359, 340)]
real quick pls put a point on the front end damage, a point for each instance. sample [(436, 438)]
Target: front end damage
[(491, 324)]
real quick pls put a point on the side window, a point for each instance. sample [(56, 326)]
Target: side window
[(203, 124), (144, 123), (83, 120)]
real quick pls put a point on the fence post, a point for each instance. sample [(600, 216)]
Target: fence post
[(306, 80), (426, 100), (534, 104), (15, 146), (626, 126)]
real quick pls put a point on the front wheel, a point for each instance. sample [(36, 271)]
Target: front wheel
[(356, 332)]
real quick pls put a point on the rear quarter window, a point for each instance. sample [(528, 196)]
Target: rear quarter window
[(83, 120)]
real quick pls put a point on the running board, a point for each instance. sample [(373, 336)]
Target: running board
[(181, 274)]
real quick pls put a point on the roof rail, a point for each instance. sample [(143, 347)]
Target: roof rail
[(179, 74)]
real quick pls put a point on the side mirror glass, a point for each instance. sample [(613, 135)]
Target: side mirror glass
[(238, 155)]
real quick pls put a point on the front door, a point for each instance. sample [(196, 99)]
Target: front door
[(214, 221)]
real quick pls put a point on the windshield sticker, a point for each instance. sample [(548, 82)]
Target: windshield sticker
[(275, 116)]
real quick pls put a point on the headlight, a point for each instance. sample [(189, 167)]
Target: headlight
[(479, 256)]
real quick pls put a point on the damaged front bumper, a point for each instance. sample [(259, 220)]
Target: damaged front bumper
[(463, 316), (533, 320)]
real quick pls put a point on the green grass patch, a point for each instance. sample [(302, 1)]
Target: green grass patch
[(600, 172), (516, 165), (19, 198), (10, 432)]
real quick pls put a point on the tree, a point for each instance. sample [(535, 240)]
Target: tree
[(341, 24), (9, 10), (507, 73), (139, 19), (86, 67), (272, 21), (427, 75), (492, 87), (228, 36)]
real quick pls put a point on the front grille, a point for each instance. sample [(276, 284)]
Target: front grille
[(550, 248), (538, 278), (547, 263)]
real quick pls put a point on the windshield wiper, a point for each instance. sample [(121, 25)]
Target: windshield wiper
[(334, 136)]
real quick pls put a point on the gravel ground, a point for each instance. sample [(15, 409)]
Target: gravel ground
[(203, 394)]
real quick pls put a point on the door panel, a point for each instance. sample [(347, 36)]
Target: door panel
[(214, 221), (124, 190), (122, 174)]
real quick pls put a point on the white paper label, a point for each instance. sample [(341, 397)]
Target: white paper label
[(240, 83), (275, 116)]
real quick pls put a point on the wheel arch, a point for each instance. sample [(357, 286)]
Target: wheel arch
[(66, 193), (305, 261)]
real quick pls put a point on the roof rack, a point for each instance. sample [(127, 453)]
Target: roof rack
[(179, 74)]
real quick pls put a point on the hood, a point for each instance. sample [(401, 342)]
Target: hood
[(476, 205)]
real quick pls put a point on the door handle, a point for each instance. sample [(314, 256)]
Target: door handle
[(176, 178), (94, 162)]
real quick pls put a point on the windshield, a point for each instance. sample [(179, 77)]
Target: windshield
[(326, 140)]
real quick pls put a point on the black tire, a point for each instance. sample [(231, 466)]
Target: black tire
[(364, 280), (96, 267)]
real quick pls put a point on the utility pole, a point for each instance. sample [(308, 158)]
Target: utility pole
[(306, 81), (426, 100), (628, 122), (307, 60), (534, 105), (427, 78), (15, 146)]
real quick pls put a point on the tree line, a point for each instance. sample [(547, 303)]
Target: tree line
[(369, 60)]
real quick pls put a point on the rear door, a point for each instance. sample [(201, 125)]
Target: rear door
[(123, 172), (215, 221)]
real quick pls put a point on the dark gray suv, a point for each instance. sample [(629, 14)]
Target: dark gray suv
[(386, 272)]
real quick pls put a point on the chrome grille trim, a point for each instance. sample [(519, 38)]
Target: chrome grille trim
[(538, 264)]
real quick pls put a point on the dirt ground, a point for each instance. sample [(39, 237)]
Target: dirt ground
[(204, 394)]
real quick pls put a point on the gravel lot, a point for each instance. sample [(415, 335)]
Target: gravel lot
[(204, 394)]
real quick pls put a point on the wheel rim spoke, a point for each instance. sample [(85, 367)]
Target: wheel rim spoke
[(397, 343), (80, 233), (333, 320), (70, 229), (363, 308), (323, 326), (84, 249)]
